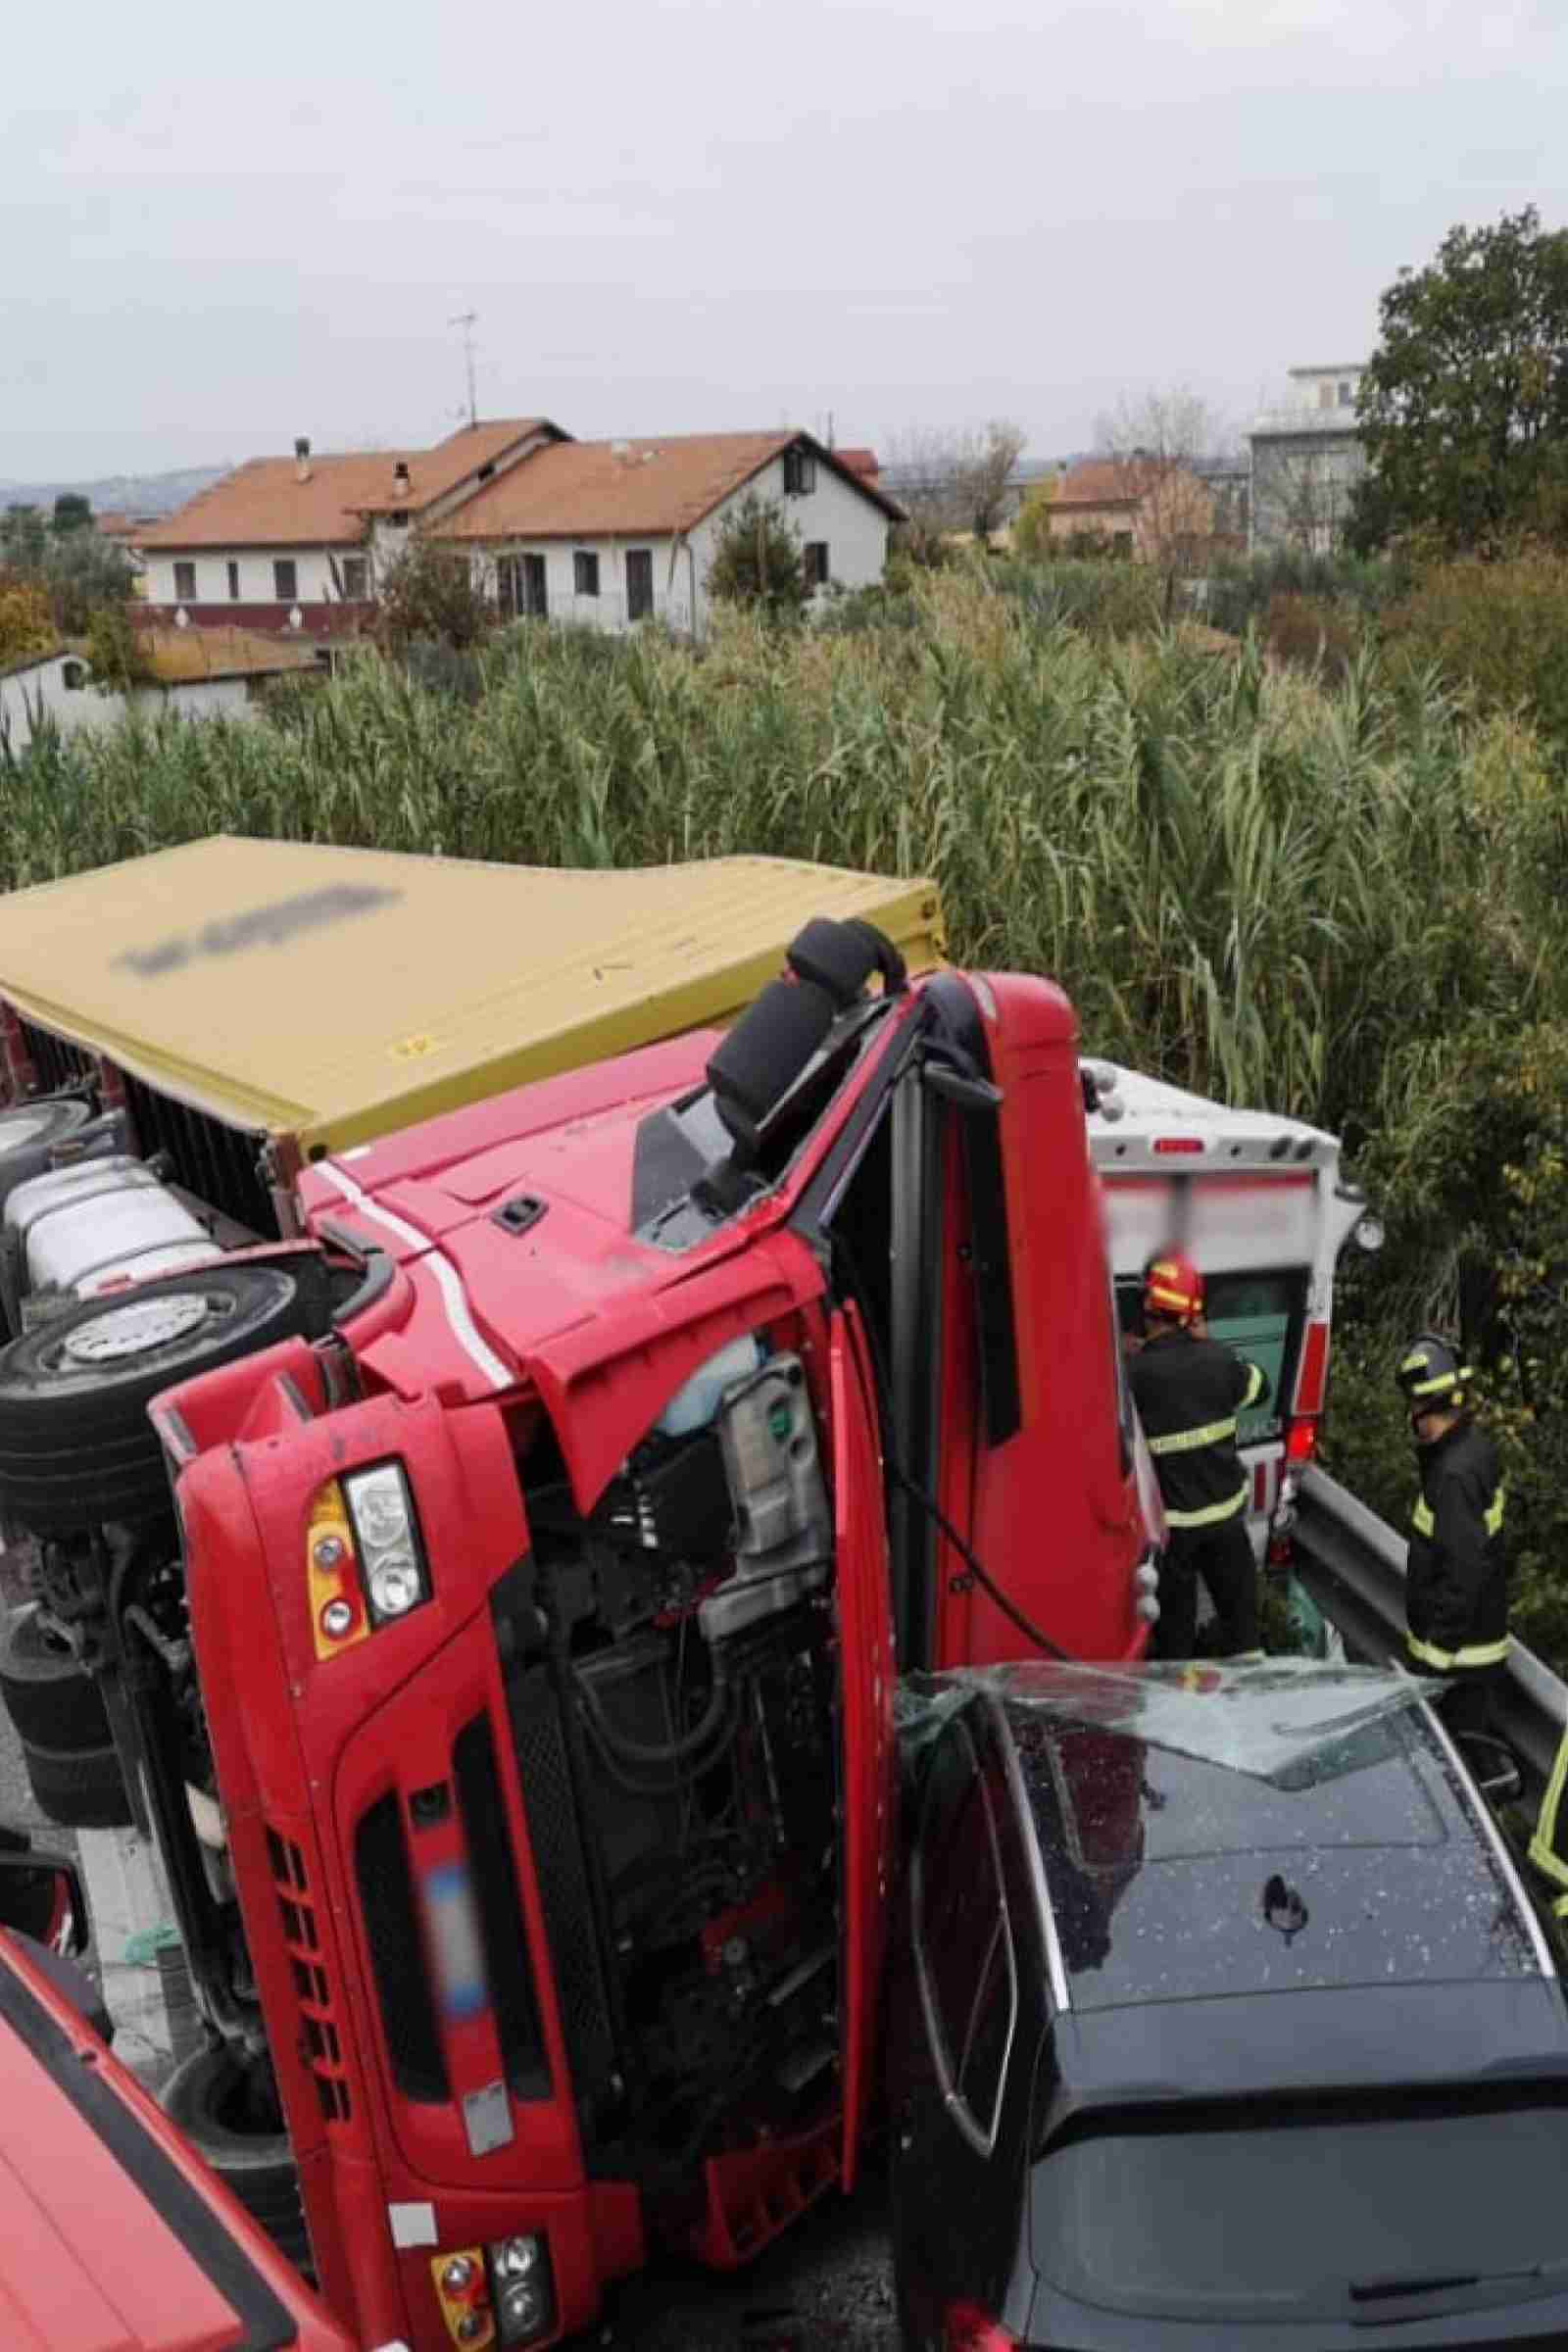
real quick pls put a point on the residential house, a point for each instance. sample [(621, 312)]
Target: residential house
[(612, 532), (1144, 506), (198, 672), (1306, 459), (291, 545)]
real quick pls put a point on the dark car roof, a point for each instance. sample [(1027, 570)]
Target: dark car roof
[(1159, 1866)]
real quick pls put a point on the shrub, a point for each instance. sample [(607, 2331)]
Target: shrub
[(1500, 628), (758, 563)]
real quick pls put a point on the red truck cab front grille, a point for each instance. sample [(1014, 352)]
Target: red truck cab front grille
[(320, 2042)]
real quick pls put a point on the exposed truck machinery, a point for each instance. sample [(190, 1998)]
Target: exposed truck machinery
[(511, 1683), (1264, 1207), (181, 1034)]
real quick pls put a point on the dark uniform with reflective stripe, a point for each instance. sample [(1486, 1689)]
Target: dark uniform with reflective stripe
[(1189, 1392), (1456, 1578)]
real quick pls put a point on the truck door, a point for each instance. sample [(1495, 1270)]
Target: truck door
[(867, 1666)]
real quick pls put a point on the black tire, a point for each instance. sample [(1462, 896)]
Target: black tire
[(81, 1792), (52, 1700), (75, 1444), (216, 2101)]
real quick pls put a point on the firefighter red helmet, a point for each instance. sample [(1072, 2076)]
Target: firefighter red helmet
[(1173, 1288)]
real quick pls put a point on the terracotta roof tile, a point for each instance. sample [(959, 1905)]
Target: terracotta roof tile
[(620, 489), (264, 504), (1101, 482), (181, 657), (433, 473)]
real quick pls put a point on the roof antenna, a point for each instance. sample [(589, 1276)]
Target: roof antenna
[(468, 320)]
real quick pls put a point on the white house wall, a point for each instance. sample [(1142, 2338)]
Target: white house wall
[(854, 526), (313, 584), (75, 710)]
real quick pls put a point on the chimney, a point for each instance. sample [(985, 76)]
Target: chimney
[(302, 460), (400, 479)]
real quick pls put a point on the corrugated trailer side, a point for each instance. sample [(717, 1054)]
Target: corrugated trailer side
[(254, 1003)]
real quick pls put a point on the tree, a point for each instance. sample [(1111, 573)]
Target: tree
[(954, 481), (757, 560), (1031, 526), (117, 654), (428, 596), (26, 625), (73, 513), (1463, 407), (1159, 438), (23, 538), (78, 571)]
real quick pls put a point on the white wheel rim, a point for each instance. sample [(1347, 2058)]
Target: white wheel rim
[(135, 1329)]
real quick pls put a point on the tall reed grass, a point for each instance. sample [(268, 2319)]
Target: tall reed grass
[(1250, 882)]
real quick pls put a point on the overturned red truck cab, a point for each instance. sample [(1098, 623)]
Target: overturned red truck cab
[(514, 1699)]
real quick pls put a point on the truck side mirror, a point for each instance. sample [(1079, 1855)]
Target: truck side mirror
[(41, 1895)]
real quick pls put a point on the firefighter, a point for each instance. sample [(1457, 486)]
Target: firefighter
[(1456, 1581), (1189, 1389)]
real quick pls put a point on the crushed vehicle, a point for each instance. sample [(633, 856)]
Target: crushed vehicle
[(1221, 2016), (182, 1033), (504, 1586), (1261, 1204), (90, 2168)]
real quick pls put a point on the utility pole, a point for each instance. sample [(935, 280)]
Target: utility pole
[(468, 321)]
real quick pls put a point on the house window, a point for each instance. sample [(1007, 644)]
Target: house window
[(398, 518), (74, 677), (814, 559), (521, 590), (639, 582), (584, 572), (1325, 396), (233, 582), (184, 583), (1347, 394), (285, 579), (800, 472), (355, 572)]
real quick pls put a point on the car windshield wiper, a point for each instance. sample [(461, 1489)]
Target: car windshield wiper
[(1443, 2282)]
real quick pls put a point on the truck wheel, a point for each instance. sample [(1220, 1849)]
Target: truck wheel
[(52, 1701), (81, 1790), (231, 2119), (75, 1444)]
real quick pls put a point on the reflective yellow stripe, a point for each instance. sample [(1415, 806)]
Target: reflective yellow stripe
[(1474, 1653), (1255, 1384), (1209, 1518), (1422, 1521), (1187, 1441), (1434, 1388), (1543, 1843), (1158, 1295)]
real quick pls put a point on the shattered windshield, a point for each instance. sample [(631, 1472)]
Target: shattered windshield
[(1293, 1722)]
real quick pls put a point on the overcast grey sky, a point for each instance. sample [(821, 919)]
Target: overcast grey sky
[(221, 229)]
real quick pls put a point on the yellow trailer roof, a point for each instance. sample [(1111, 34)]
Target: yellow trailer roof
[(340, 993)]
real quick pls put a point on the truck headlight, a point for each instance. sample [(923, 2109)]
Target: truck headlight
[(387, 1540), (523, 2292)]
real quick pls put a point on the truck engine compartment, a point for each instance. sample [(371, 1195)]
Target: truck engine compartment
[(677, 1664)]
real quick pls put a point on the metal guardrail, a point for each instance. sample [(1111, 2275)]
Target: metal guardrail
[(1353, 1563)]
